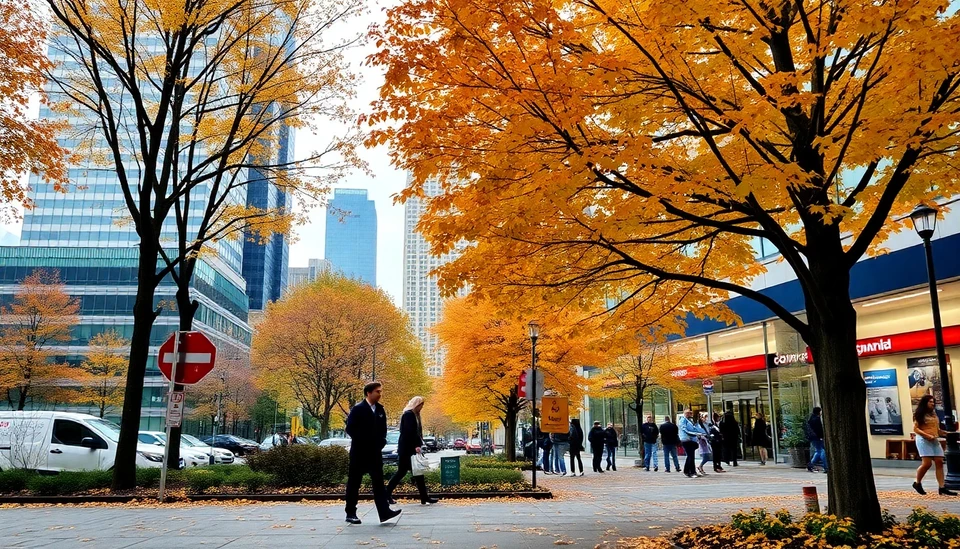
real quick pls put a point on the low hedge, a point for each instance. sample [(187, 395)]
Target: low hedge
[(69, 482), (302, 465), (485, 462), (759, 528)]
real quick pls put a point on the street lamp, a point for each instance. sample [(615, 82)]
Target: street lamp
[(925, 223), (534, 328)]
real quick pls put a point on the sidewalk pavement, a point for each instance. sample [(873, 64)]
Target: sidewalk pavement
[(587, 511)]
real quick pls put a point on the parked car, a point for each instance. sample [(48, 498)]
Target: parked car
[(459, 444), (220, 455), (473, 446), (192, 457), (277, 439), (238, 445), (430, 444), (389, 451), (344, 442), (64, 441)]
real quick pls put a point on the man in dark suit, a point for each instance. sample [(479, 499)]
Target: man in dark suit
[(367, 428)]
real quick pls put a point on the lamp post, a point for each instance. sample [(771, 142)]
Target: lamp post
[(534, 328), (925, 223)]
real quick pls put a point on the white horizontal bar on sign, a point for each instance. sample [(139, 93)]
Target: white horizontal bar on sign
[(188, 358)]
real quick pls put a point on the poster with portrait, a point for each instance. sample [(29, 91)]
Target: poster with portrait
[(883, 402), (923, 375)]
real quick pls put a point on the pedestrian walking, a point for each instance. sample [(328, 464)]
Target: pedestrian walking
[(597, 438), (561, 442), (690, 434), (546, 445), (649, 433), (730, 429), (760, 437), (926, 425), (715, 437), (410, 445), (612, 442), (576, 446), (706, 452), (815, 434), (367, 429), (670, 439)]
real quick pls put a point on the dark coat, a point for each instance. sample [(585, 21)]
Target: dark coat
[(411, 435), (669, 433), (759, 435), (597, 438), (815, 428), (649, 432), (367, 432), (576, 436), (730, 429), (612, 437)]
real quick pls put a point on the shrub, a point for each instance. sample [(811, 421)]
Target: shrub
[(833, 530), (303, 465), (777, 526), (931, 530), (491, 463), (243, 477), (200, 479), (69, 482), (14, 480), (149, 477)]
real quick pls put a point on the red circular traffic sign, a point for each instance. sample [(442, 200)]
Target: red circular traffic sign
[(707, 384), (198, 355)]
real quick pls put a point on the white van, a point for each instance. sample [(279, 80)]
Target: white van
[(64, 441)]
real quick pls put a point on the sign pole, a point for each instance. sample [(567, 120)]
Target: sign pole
[(533, 384), (173, 380)]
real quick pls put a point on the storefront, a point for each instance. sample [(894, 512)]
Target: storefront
[(767, 368)]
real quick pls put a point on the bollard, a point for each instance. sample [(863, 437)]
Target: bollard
[(811, 499)]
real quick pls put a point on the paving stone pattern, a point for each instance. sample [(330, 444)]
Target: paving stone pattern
[(588, 511)]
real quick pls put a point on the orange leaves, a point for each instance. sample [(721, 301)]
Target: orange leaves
[(26, 145), (38, 320)]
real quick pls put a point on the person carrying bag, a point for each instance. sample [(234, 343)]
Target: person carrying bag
[(410, 452)]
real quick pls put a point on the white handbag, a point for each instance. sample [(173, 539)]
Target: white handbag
[(419, 465)]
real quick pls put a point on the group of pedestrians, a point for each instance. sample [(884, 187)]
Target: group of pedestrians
[(693, 433), (554, 446)]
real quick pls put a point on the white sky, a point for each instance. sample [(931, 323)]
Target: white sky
[(382, 186)]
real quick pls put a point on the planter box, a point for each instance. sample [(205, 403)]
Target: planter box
[(799, 457)]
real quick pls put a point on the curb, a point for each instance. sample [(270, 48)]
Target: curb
[(74, 500)]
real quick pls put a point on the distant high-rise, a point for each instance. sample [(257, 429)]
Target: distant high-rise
[(421, 295), (298, 276), (265, 263), (351, 239)]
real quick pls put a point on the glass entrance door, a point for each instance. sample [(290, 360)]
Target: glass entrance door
[(744, 406)]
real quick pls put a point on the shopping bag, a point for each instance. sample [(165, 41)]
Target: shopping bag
[(419, 465)]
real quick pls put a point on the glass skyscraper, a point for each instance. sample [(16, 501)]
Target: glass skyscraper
[(351, 235)]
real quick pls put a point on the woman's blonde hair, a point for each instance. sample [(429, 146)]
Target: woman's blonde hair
[(414, 402)]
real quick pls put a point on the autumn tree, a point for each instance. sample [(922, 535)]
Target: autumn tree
[(101, 378), (38, 320), (646, 147), (486, 351), (186, 104), (644, 361), (314, 346), (434, 419), (26, 144)]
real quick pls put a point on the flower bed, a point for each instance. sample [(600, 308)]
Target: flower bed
[(761, 529)]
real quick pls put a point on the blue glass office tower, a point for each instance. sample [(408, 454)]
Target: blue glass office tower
[(351, 236), (265, 264)]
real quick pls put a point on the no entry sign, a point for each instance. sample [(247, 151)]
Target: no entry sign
[(197, 357)]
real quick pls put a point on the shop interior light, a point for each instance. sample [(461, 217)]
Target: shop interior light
[(743, 331), (899, 297)]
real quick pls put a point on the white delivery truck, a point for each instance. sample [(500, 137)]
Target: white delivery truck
[(64, 441)]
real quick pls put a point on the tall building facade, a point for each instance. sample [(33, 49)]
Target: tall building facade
[(421, 294), (87, 236), (265, 264), (351, 235), (298, 276)]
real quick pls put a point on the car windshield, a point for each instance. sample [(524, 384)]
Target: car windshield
[(191, 440), (106, 428), (393, 437)]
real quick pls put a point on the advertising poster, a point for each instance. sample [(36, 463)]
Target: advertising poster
[(923, 374), (883, 402)]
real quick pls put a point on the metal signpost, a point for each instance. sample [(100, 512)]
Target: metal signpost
[(170, 393)]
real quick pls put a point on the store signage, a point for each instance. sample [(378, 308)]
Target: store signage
[(878, 346), (794, 358)]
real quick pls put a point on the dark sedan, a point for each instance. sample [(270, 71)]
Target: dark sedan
[(431, 444), (237, 445)]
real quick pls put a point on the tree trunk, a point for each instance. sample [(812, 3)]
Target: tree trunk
[(187, 309), (843, 393), (22, 401), (125, 468), (638, 410), (510, 438)]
